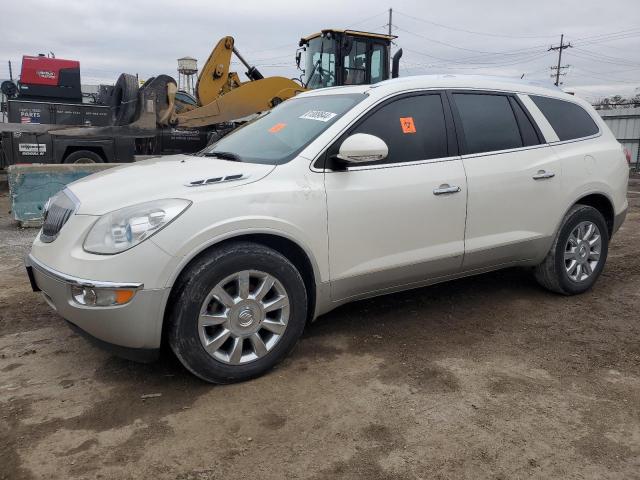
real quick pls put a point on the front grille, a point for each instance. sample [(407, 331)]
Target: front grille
[(60, 208)]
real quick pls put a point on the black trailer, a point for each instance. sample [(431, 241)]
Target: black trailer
[(50, 144)]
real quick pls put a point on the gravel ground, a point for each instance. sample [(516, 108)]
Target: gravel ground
[(487, 377)]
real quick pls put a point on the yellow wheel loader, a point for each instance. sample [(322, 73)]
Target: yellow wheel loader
[(332, 58)]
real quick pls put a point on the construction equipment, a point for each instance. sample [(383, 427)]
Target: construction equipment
[(332, 58), (346, 57), (45, 78)]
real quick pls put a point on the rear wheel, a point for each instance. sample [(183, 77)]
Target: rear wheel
[(83, 156), (236, 312), (578, 254)]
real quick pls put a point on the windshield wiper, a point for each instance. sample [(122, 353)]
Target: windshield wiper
[(223, 155)]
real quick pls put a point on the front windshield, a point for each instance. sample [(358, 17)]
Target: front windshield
[(320, 63), (280, 134)]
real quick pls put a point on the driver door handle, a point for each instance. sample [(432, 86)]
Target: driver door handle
[(542, 174), (445, 188)]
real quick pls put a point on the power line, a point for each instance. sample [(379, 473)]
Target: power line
[(479, 66), (605, 36), (609, 79), (454, 46), (481, 59), (457, 29), (366, 19), (606, 58)]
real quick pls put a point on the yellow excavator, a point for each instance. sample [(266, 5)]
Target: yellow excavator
[(332, 57)]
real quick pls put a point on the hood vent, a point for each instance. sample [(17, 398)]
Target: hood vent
[(215, 180)]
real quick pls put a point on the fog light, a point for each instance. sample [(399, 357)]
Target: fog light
[(101, 297)]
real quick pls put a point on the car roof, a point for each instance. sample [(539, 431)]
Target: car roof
[(448, 81)]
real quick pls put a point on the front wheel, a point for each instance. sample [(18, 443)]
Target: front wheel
[(236, 312), (578, 254)]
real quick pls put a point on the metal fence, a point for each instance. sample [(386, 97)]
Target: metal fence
[(625, 125)]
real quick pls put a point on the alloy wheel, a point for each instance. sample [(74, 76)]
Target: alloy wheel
[(582, 251), (243, 317)]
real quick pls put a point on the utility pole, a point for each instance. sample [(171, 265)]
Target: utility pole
[(390, 25), (558, 69)]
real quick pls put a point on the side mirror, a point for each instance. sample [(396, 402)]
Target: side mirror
[(362, 147), (298, 58)]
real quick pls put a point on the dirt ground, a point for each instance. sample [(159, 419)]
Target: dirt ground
[(488, 377)]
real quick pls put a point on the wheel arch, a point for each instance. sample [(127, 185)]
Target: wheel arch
[(603, 204), (97, 149), (286, 246)]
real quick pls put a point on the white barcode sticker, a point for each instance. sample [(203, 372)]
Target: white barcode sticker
[(32, 148), (318, 115)]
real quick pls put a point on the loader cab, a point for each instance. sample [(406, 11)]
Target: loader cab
[(344, 57)]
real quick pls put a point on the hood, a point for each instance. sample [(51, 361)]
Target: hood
[(177, 176)]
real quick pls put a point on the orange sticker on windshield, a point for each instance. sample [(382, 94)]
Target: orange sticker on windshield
[(407, 125), (277, 127)]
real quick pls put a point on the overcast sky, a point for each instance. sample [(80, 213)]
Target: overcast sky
[(498, 37)]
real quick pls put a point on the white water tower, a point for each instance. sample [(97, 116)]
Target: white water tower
[(187, 70)]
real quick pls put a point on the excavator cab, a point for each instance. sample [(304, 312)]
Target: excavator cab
[(346, 57)]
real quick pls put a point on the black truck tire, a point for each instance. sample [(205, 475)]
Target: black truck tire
[(124, 99), (83, 156)]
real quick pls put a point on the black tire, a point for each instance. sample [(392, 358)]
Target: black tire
[(552, 274), (200, 278), (124, 100), (9, 88), (83, 156)]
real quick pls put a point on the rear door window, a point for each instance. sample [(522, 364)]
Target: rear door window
[(412, 127), (569, 120), (488, 122)]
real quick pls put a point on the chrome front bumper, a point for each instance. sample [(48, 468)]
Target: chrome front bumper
[(132, 330)]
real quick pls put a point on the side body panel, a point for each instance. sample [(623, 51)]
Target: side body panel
[(387, 228), (510, 215)]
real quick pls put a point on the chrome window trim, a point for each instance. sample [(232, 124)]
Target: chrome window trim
[(508, 150), (356, 168), (433, 160), (30, 261), (580, 139)]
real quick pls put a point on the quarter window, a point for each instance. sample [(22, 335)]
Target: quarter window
[(570, 121), (488, 122), (412, 127), (527, 130)]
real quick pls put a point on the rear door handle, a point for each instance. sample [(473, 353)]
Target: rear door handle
[(445, 188), (542, 174)]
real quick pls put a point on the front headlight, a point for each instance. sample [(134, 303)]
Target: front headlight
[(117, 231)]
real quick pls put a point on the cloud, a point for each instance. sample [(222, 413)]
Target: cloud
[(147, 37)]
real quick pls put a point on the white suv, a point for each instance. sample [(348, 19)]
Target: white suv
[(333, 196)]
